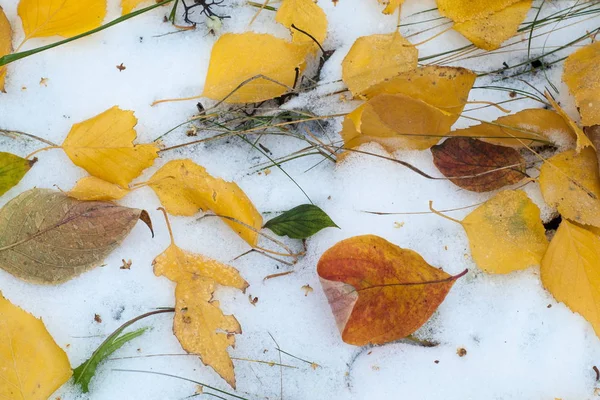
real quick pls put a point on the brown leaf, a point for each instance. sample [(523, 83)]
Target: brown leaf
[(47, 237), (478, 166)]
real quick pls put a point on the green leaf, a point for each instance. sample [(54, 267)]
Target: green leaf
[(83, 374), (12, 170), (300, 222)]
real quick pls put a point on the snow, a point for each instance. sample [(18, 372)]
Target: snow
[(521, 343)]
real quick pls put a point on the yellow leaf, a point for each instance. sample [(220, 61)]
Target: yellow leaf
[(446, 88), (92, 188), (506, 233), (305, 15), (582, 76), (128, 5), (530, 127), (486, 23), (396, 122), (103, 146), (391, 5), (375, 58), (67, 18), (571, 271), (571, 183), (32, 366), (199, 324), (5, 44), (184, 187), (239, 59), (582, 139)]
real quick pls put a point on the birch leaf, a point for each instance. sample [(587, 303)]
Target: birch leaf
[(67, 18), (185, 187), (92, 188), (582, 76), (5, 44), (305, 15), (31, 363), (128, 6), (12, 170), (47, 237), (582, 140), (103, 146)]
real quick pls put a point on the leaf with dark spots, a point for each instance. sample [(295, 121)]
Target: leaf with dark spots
[(478, 166)]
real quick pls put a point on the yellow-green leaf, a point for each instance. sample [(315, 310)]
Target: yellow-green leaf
[(12, 169)]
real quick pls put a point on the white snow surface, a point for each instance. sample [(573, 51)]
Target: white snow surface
[(521, 344)]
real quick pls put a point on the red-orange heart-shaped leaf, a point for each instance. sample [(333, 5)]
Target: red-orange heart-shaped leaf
[(379, 292)]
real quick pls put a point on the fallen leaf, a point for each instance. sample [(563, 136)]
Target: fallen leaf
[(375, 58), (237, 61), (582, 139), (199, 324), (506, 233), (121, 67), (44, 82), (32, 364), (98, 318), (446, 88), (391, 5), (47, 237), (12, 169), (185, 187), (300, 222), (593, 132), (530, 127), (92, 188), (570, 271), (305, 15), (571, 183), (307, 289), (379, 292), (582, 76), (126, 264), (461, 352), (478, 166), (67, 18), (5, 44), (129, 5), (486, 23), (397, 122), (103, 146)]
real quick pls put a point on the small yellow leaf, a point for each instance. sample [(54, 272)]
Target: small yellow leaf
[(571, 183), (32, 366), (396, 122), (92, 188), (305, 15), (5, 44), (582, 76), (103, 146), (67, 18), (128, 5), (199, 324), (570, 271), (184, 187), (391, 5), (506, 233), (239, 59), (582, 139), (375, 58)]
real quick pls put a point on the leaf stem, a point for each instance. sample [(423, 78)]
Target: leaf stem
[(19, 133), (42, 149), (168, 224), (442, 215)]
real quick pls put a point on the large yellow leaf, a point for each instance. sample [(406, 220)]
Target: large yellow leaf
[(92, 188), (446, 88), (103, 146), (32, 366), (42, 18), (571, 183), (5, 44), (184, 187), (305, 15), (582, 139), (571, 271), (486, 23), (396, 122), (238, 58), (128, 5), (506, 233), (199, 324), (375, 58), (582, 76), (530, 127)]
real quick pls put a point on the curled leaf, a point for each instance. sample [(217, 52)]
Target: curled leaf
[(305, 15), (5, 44), (478, 166), (12, 169), (300, 222), (375, 58), (92, 188), (103, 146), (571, 183), (582, 140), (582, 76), (32, 364), (185, 187), (379, 292), (570, 271), (47, 237), (506, 233), (238, 62)]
